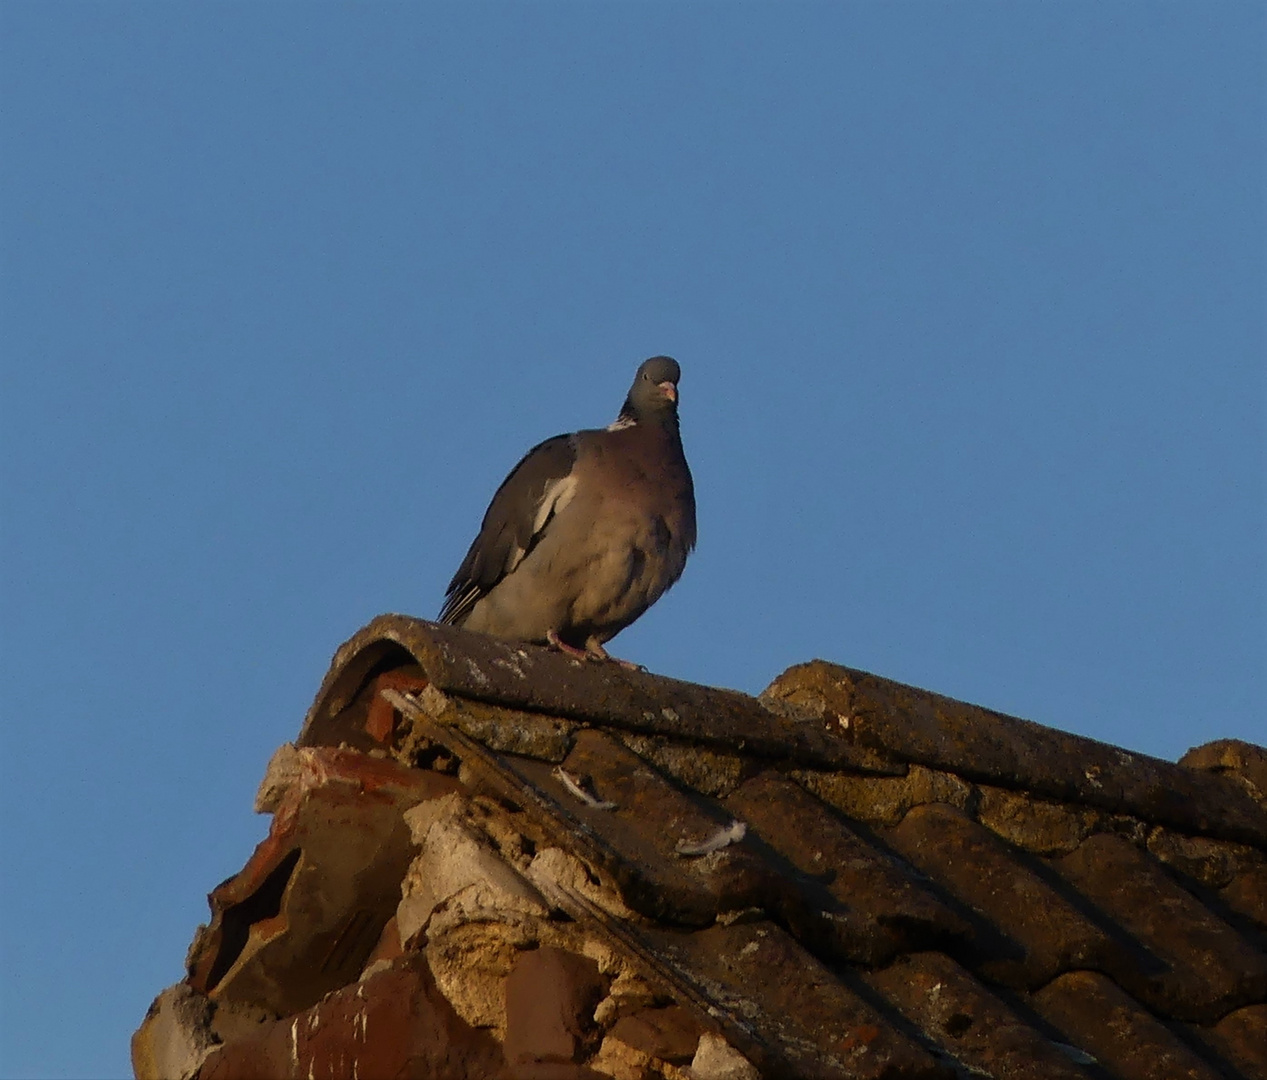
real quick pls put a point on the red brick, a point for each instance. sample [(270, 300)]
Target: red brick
[(550, 999), (670, 1034), (395, 1024)]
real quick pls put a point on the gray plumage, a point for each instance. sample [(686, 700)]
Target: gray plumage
[(587, 531)]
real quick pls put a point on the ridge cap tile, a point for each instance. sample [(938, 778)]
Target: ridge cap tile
[(978, 743), (537, 679)]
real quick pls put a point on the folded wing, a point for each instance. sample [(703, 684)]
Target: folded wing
[(536, 490)]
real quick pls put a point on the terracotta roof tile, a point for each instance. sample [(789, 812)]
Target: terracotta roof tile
[(1204, 969), (884, 907), (1034, 930), (804, 1019), (1117, 1031), (844, 878), (1241, 1038), (979, 744), (979, 1029), (637, 837), (1246, 895)]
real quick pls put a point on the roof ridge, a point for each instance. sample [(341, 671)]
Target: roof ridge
[(817, 715)]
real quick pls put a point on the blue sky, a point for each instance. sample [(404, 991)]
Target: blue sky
[(968, 299)]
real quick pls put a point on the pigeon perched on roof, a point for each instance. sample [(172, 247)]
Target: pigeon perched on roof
[(587, 531)]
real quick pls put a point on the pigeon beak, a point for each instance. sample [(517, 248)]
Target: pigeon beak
[(668, 390)]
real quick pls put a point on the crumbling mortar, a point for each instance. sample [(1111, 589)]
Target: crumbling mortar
[(1050, 827), (471, 950), (1212, 863), (712, 773), (886, 800)]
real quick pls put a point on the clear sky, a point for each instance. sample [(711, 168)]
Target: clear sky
[(968, 299)]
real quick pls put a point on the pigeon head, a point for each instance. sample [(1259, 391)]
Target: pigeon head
[(653, 395)]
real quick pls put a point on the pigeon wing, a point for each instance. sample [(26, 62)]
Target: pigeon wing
[(521, 511)]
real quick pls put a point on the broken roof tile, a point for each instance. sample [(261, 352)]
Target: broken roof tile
[(301, 918), (1235, 757)]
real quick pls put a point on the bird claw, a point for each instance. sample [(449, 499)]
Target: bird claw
[(593, 651), (557, 643), (597, 652)]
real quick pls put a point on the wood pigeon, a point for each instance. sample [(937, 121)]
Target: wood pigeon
[(588, 530)]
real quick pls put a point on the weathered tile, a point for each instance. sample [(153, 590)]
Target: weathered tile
[(1098, 1017), (709, 772), (809, 1023), (883, 909), (1037, 825), (304, 914), (395, 1023), (1043, 933), (508, 731), (969, 1023), (1211, 862), (982, 745), (1246, 894), (886, 800), (540, 680), (1241, 1037), (1206, 967), (1242, 760), (637, 839)]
